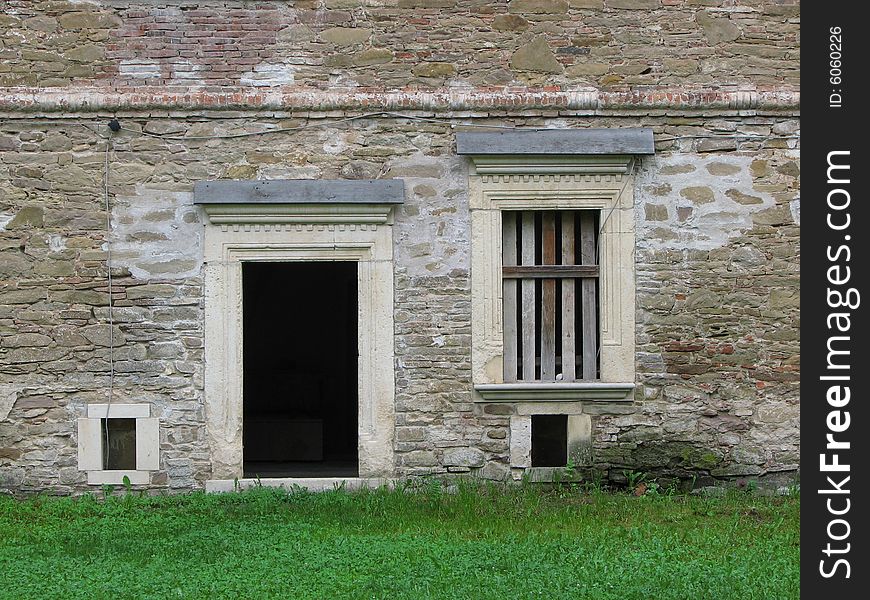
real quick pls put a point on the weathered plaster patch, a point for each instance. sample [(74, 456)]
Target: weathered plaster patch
[(152, 237), (432, 227), (334, 142), (701, 225), (56, 243), (186, 70), (795, 207), (269, 75), (139, 69)]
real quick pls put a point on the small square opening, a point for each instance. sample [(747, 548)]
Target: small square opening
[(549, 440), (119, 444)]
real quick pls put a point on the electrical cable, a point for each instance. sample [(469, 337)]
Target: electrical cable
[(111, 315)]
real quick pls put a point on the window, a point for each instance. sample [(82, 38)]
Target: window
[(552, 322), (550, 281), (552, 284), (119, 447), (119, 440)]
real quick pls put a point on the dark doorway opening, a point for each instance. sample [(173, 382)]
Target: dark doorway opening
[(300, 369), (549, 440)]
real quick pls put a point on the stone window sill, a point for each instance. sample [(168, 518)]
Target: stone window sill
[(117, 477), (590, 391)]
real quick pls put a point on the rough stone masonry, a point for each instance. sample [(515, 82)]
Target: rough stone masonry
[(367, 89)]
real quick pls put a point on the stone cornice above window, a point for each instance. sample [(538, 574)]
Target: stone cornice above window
[(555, 392), (537, 164), (564, 142), (555, 151), (264, 203), (554, 170)]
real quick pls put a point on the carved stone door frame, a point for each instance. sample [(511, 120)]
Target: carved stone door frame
[(298, 222)]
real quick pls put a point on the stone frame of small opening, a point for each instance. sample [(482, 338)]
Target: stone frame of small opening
[(298, 220), (582, 169), (91, 436)]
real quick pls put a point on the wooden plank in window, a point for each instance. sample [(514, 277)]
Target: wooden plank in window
[(550, 271), (568, 299), (528, 297), (509, 258), (588, 300), (548, 299)]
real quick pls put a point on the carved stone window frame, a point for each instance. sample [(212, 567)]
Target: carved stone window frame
[(91, 438), (295, 221), (554, 170), (604, 184)]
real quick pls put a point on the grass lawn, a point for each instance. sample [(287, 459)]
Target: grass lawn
[(482, 542)]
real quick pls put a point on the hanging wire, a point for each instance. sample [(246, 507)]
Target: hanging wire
[(111, 301)]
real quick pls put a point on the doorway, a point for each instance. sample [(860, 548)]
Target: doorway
[(300, 346)]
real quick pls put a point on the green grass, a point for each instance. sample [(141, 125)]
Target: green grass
[(482, 542)]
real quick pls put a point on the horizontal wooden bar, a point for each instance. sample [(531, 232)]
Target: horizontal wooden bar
[(549, 271)]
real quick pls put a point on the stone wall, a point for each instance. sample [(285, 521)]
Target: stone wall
[(717, 261), (718, 206), (396, 44)]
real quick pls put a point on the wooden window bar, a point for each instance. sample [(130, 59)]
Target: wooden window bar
[(550, 277)]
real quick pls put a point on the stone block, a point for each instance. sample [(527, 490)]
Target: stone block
[(67, 335), (494, 471), (538, 6), (700, 194), (717, 30), (418, 458), (681, 66), (434, 69), (509, 23), (104, 335), (80, 297), (677, 169), (25, 339), (88, 53), (633, 4), (372, 56), (721, 169), (26, 296), (89, 20), (778, 215), (151, 291), (655, 212), (345, 36), (742, 198), (535, 56), (26, 218), (14, 263), (463, 457)]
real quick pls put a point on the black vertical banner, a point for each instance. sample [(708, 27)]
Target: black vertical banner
[(835, 424)]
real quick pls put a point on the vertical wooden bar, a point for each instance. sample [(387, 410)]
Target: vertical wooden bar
[(548, 299), (568, 299), (528, 299), (509, 258), (587, 297)]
